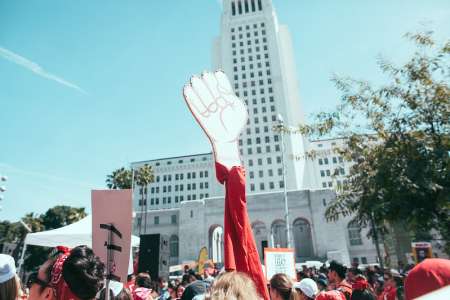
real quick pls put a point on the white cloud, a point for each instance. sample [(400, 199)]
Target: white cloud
[(35, 68)]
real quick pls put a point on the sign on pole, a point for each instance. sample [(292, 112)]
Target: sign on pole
[(111, 230), (421, 250), (279, 260)]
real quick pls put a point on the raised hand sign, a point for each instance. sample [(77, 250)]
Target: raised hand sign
[(220, 113), (222, 116)]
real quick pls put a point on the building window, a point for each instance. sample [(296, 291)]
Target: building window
[(364, 260), (252, 187), (325, 160), (354, 233), (324, 202), (156, 220), (328, 172), (261, 186), (281, 184), (320, 161), (271, 185), (324, 184), (334, 160), (322, 173)]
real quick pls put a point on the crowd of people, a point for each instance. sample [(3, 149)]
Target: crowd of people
[(78, 274)]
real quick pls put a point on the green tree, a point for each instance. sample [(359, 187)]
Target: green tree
[(143, 176), (61, 215), (119, 179), (397, 136)]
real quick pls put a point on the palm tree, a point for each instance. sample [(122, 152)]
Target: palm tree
[(119, 179), (143, 176)]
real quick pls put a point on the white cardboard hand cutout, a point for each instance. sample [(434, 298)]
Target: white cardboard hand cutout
[(220, 113)]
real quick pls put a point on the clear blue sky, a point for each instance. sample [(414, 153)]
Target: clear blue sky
[(89, 86)]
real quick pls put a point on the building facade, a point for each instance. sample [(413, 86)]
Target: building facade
[(185, 202), (199, 223)]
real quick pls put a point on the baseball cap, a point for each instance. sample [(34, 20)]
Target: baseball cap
[(7, 267), (307, 286)]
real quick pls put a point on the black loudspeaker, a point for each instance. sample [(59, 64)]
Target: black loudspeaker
[(154, 255)]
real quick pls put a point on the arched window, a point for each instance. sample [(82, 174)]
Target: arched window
[(216, 243), (354, 233), (279, 234), (173, 244), (303, 243)]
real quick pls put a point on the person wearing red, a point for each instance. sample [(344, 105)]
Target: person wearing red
[(430, 275), (223, 116), (390, 288), (336, 277)]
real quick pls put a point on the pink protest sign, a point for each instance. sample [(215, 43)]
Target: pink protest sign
[(111, 225)]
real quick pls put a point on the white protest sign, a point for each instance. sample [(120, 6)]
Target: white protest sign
[(279, 260), (111, 228), (219, 112)]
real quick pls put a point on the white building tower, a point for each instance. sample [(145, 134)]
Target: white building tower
[(256, 53)]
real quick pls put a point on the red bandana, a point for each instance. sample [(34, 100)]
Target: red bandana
[(360, 284), (60, 287)]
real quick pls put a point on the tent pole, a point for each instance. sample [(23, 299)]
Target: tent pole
[(21, 260)]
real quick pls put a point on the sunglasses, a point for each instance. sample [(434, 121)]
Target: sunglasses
[(33, 278)]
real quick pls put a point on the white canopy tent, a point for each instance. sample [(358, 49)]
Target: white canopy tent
[(75, 234)]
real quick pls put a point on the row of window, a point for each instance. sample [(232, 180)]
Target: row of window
[(248, 35), (338, 183), (253, 91), (258, 140), (180, 176), (258, 150), (262, 186), (252, 74), (247, 27), (173, 220), (180, 187), (180, 161), (259, 161), (251, 66), (168, 200), (257, 131), (338, 171), (261, 173), (245, 6), (335, 159)]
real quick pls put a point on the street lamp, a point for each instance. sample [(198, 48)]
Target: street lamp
[(286, 208)]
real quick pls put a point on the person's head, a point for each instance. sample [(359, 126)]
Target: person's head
[(180, 291), (162, 282), (322, 284), (9, 282), (116, 292), (83, 272), (352, 273), (360, 289), (195, 289), (281, 288), (143, 280), (306, 289), (336, 272), (233, 285), (68, 274)]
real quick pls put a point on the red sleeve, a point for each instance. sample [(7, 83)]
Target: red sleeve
[(239, 245)]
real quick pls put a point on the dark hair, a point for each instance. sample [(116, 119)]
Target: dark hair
[(8, 289), (283, 285), (83, 272), (143, 280), (338, 268), (362, 295)]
